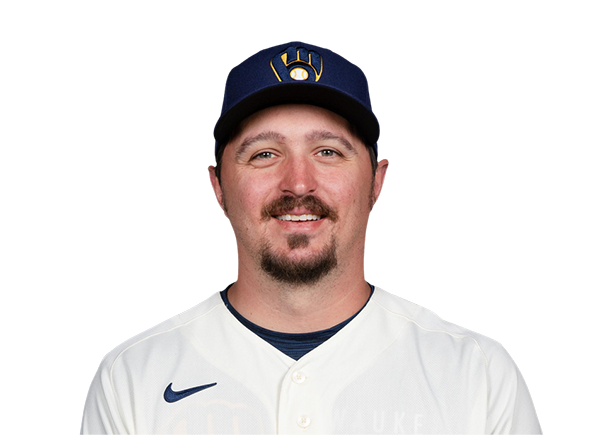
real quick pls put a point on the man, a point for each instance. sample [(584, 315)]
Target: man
[(301, 343)]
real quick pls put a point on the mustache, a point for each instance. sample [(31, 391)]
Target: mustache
[(286, 203)]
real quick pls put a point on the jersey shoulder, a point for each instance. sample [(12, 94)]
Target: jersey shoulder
[(166, 327), (430, 324), (509, 408)]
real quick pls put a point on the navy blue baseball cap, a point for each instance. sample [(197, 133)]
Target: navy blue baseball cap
[(297, 73)]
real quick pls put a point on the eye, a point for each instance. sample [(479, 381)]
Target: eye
[(327, 152), (263, 155)]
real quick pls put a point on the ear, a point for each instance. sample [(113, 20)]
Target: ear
[(214, 181), (382, 167)]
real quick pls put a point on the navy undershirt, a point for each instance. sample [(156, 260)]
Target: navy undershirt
[(294, 345)]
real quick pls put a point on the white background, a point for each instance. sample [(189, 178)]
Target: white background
[(39, 79)]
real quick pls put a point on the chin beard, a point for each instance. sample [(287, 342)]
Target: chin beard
[(303, 272)]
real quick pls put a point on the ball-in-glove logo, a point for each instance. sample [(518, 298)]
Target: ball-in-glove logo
[(297, 63)]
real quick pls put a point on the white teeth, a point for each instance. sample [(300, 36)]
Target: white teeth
[(305, 217)]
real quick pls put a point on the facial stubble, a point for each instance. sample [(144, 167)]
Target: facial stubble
[(308, 271)]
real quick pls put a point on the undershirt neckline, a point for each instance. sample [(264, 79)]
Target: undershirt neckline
[(295, 345)]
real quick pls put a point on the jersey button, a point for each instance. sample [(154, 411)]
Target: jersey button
[(299, 377), (303, 421)]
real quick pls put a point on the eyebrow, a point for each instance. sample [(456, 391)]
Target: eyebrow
[(263, 136), (324, 135), (313, 136)]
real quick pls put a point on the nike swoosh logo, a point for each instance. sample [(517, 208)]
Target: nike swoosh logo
[(171, 396)]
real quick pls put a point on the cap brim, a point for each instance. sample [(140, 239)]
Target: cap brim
[(302, 93)]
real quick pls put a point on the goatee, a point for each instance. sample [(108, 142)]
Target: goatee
[(303, 272)]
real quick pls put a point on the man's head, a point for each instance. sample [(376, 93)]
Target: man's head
[(297, 173), (297, 186)]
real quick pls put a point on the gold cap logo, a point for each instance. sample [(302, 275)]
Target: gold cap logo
[(297, 63)]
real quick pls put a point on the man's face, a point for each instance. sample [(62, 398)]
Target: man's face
[(298, 187)]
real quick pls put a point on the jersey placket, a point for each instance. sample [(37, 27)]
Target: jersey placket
[(297, 401)]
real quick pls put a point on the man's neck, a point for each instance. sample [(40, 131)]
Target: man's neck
[(299, 308)]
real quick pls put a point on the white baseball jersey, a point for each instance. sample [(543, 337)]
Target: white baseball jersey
[(395, 368)]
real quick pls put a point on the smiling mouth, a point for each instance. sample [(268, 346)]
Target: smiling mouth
[(303, 217)]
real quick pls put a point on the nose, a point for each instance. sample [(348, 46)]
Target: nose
[(298, 176)]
